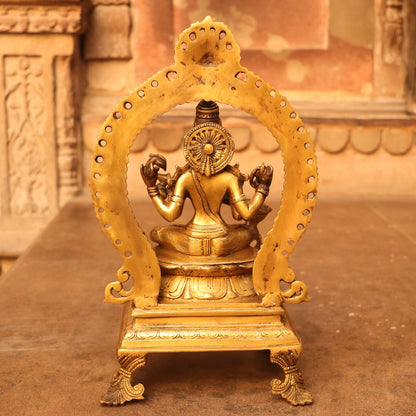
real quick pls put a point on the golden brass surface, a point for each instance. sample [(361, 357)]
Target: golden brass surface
[(292, 388), (208, 181), (209, 278), (121, 390), (222, 327), (208, 285), (208, 148), (205, 67)]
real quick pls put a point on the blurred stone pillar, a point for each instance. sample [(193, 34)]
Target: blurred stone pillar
[(108, 23), (411, 56), (39, 127)]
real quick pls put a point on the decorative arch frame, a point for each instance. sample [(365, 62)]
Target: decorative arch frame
[(207, 66)]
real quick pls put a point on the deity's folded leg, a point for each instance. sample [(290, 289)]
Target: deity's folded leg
[(173, 237), (238, 238), (177, 238)]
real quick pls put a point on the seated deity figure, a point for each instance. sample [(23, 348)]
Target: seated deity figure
[(208, 181)]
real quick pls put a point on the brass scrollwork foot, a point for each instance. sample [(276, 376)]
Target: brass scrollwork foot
[(292, 388), (121, 390)]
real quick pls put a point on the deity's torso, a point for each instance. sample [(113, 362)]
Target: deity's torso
[(207, 194)]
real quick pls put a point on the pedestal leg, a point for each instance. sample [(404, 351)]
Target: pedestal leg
[(292, 388), (121, 390)]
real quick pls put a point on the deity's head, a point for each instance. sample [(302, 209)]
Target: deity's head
[(208, 147)]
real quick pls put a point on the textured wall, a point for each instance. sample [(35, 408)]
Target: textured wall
[(344, 65), (40, 132)]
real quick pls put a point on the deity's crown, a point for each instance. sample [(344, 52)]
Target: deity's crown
[(207, 111)]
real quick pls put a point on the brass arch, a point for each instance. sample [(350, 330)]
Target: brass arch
[(207, 66)]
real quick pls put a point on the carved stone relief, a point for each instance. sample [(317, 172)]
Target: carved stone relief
[(41, 149), (27, 168), (393, 32), (67, 140), (37, 19), (31, 144), (40, 134)]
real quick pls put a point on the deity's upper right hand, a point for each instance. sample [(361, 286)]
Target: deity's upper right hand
[(265, 174), (150, 170), (149, 174), (262, 175)]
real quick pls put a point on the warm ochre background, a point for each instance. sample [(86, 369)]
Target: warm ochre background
[(347, 66)]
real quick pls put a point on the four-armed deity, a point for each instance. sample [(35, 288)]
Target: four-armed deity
[(208, 181)]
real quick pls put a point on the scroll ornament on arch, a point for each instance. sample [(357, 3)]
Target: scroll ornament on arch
[(207, 66)]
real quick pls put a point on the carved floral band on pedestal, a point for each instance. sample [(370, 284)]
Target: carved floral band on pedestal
[(247, 331), (121, 390), (214, 288), (292, 388)]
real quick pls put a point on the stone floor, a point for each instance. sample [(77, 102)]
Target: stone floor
[(58, 339)]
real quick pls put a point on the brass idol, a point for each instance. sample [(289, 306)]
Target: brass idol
[(207, 285)]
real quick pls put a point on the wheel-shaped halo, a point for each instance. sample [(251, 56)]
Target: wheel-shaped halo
[(208, 148)]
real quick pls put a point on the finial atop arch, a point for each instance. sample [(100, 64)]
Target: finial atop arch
[(207, 43)]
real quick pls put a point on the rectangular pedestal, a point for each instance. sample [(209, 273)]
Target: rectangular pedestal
[(206, 327)]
